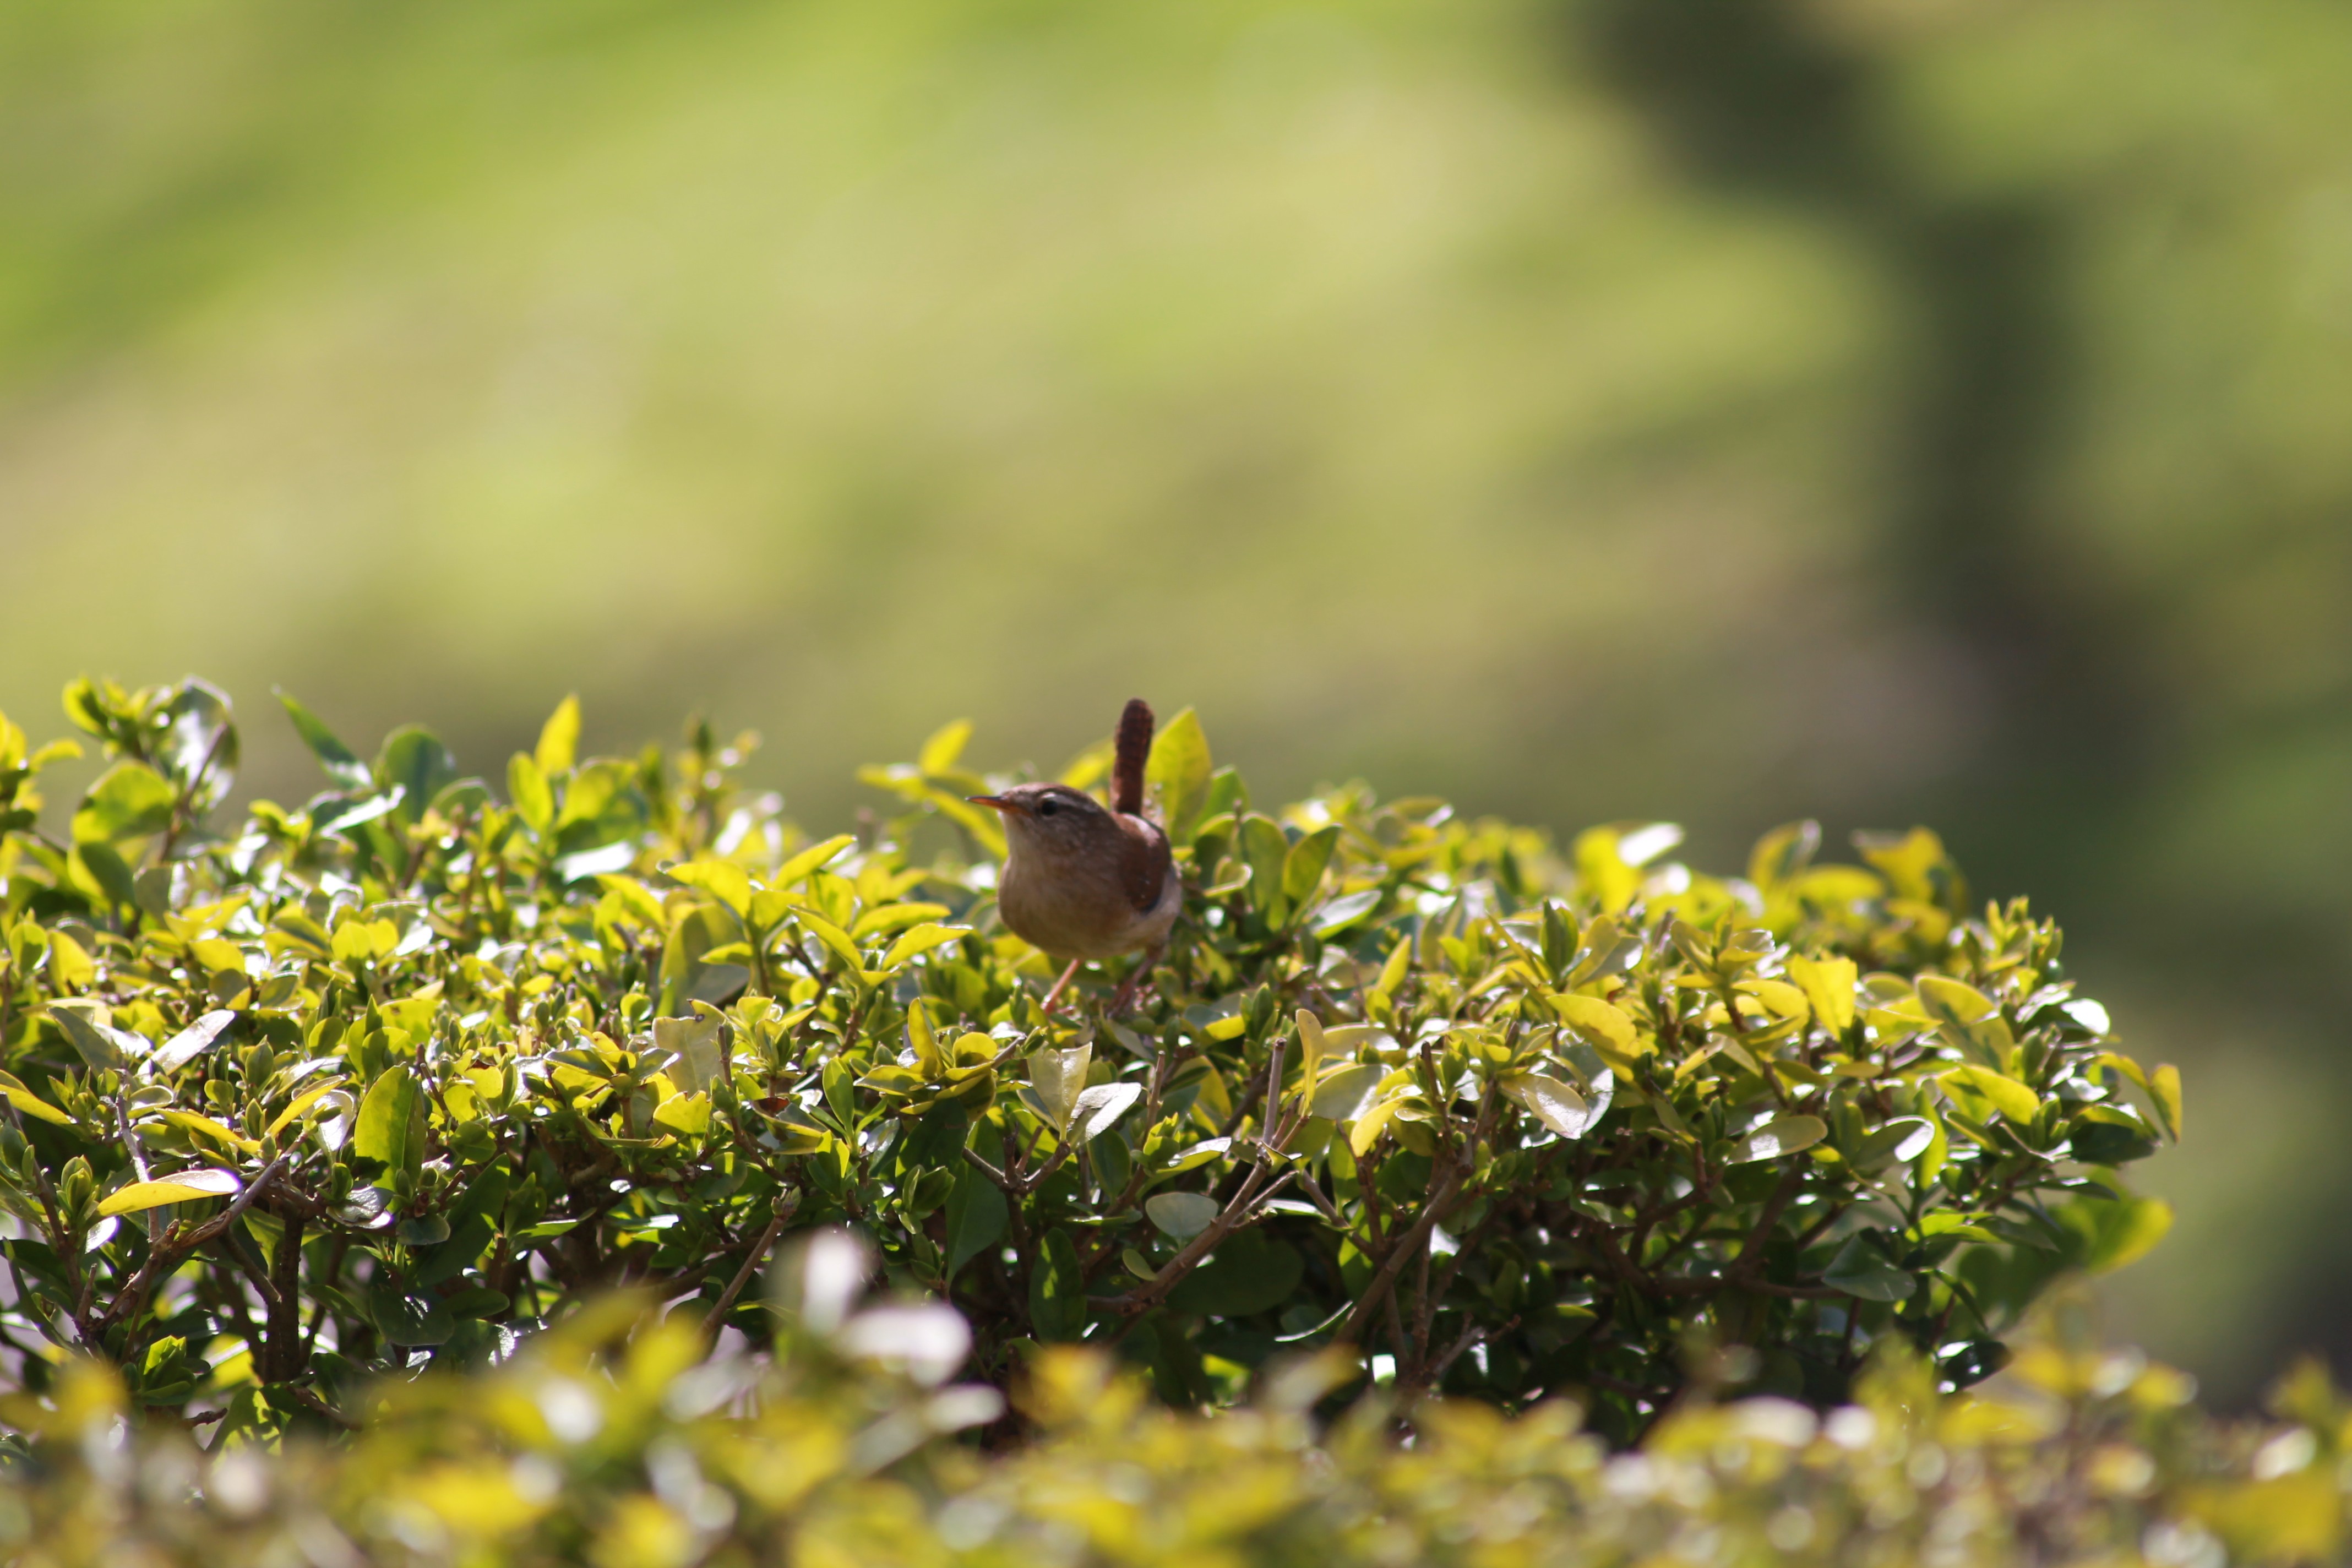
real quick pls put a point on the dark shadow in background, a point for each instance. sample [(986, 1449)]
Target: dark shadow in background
[(1760, 104)]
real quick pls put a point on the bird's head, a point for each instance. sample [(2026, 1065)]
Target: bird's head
[(1051, 820)]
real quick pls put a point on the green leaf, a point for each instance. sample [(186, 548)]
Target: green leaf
[(1346, 1094), (342, 765), (390, 1125), (1338, 915), (89, 1025), (1177, 773), (130, 800), (414, 759), (1100, 1107), (975, 1218), (183, 1188), (1781, 1135), (109, 872), (1860, 1270), (2114, 1233), (559, 738), (1058, 1078), (1182, 1214), (1266, 850), (407, 1320), (1249, 1273), (1302, 867), (1552, 1103), (1782, 854), (1058, 1289), (1967, 1017), (472, 1223), (192, 1041)]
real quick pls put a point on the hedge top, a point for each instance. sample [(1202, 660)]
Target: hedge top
[(410, 1070)]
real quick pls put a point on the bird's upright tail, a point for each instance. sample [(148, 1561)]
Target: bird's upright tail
[(1134, 748)]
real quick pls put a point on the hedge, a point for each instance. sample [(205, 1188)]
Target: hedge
[(401, 1077)]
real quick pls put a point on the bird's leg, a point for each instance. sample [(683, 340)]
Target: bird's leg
[(1055, 995), (1125, 997)]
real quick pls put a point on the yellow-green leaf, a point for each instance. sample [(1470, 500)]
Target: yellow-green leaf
[(2005, 1094), (634, 897), (71, 964), (30, 1103), (1828, 984), (813, 858), (2164, 1089), (1784, 1000), (1366, 1131), (301, 1103), (884, 918), (722, 880), (1606, 1028), (361, 941), (1949, 1000), (179, 1189), (946, 744), (921, 939), (558, 737), (834, 938), (527, 786), (1311, 1046), (1178, 772), (688, 1114), (190, 1121)]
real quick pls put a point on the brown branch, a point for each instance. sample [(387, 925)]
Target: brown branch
[(718, 1314), (1751, 1254)]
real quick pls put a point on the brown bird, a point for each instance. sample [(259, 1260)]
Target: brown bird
[(1086, 881)]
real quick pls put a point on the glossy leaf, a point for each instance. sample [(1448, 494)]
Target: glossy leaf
[(184, 1187), (1779, 1136), (390, 1125)]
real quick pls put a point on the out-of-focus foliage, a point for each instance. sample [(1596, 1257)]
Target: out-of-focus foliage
[(611, 1441), (380, 1082)]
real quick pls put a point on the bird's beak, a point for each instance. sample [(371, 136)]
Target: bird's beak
[(997, 801)]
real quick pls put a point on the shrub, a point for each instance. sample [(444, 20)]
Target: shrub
[(389, 1080), (608, 1440)]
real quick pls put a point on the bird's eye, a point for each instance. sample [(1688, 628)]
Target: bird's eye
[(1047, 809)]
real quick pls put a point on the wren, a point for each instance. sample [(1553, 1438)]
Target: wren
[(1084, 880)]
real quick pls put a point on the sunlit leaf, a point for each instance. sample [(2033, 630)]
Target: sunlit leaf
[(1781, 1135), (184, 1187)]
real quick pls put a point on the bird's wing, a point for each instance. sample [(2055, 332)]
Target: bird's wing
[(1143, 869)]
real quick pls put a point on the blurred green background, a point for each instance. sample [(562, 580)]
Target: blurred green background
[(1881, 410)]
